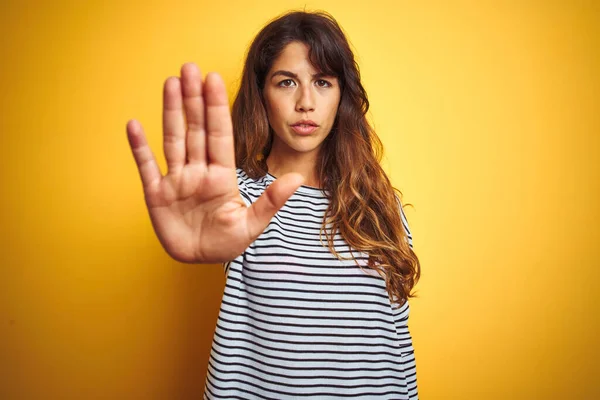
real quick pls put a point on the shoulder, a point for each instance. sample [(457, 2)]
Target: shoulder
[(404, 220), (250, 189), (406, 227)]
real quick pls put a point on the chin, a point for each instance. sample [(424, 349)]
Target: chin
[(305, 147), (300, 144)]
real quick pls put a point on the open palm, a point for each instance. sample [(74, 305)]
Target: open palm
[(196, 208)]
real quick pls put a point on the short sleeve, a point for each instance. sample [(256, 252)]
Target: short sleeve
[(404, 222), (406, 227), (241, 181)]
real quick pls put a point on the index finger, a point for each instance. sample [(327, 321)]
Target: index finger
[(218, 122)]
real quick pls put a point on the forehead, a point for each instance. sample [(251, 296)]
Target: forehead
[(294, 58)]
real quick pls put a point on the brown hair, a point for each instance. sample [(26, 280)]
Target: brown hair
[(363, 205)]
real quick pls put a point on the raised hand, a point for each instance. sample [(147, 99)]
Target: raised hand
[(196, 209)]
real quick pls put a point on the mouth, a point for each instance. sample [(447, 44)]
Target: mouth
[(304, 123), (304, 129), (304, 126)]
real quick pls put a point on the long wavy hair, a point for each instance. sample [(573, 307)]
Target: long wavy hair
[(364, 207)]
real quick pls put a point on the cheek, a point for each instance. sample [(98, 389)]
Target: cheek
[(333, 106), (275, 110), (333, 110), (274, 117)]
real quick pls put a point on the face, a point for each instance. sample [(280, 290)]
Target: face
[(294, 90)]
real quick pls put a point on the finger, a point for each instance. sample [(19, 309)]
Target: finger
[(262, 211), (173, 125), (218, 122), (193, 104), (144, 158)]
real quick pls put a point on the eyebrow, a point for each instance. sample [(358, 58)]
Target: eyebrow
[(290, 74)]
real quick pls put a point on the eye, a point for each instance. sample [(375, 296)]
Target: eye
[(283, 83), (323, 83)]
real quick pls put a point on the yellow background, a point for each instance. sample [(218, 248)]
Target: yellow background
[(490, 114)]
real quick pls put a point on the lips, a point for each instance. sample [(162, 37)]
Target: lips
[(304, 126), (304, 129), (304, 123)]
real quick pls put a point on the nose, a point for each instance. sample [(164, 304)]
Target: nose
[(306, 100)]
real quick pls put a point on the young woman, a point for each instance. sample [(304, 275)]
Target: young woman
[(288, 193)]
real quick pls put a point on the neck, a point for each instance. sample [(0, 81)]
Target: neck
[(304, 164)]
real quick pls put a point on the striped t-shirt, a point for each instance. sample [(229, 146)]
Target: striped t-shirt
[(297, 322)]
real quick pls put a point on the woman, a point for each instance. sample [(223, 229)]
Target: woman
[(316, 247)]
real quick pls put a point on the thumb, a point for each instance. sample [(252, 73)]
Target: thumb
[(264, 209)]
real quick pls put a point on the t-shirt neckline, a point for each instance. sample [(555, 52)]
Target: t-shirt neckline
[(303, 188)]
